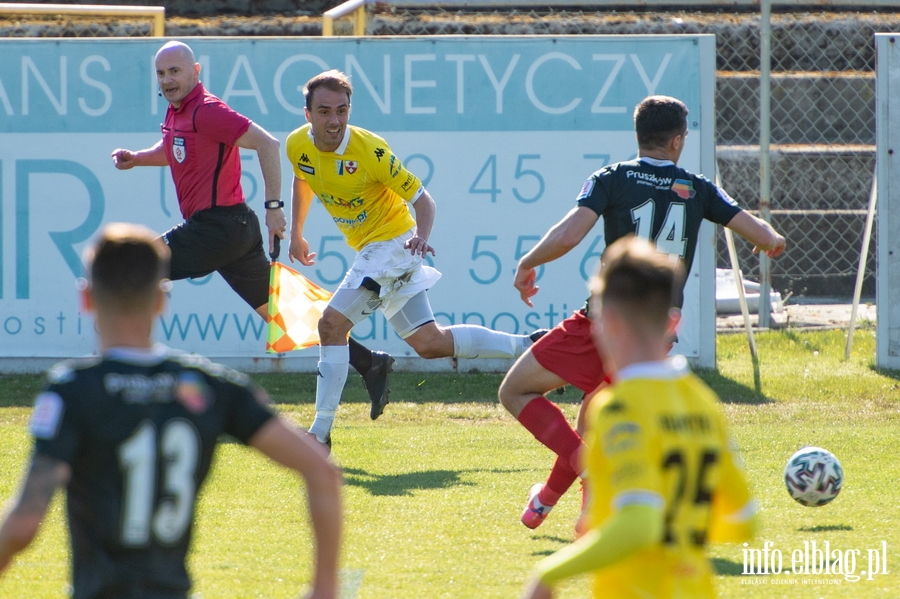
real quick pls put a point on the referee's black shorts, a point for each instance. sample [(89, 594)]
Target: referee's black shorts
[(226, 239)]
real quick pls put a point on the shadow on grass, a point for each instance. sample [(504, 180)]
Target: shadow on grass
[(731, 391), (19, 390), (545, 552), (727, 567), (411, 387), (825, 528), (399, 485), (555, 539), (447, 388), (886, 372)]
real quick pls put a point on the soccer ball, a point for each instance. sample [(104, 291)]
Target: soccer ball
[(813, 476)]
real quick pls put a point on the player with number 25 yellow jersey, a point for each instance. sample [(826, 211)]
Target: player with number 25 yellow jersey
[(659, 438)]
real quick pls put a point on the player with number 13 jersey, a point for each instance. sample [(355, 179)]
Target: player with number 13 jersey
[(138, 428)]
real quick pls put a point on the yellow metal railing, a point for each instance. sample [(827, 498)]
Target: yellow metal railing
[(358, 7), (157, 13)]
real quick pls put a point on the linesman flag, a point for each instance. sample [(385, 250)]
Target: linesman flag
[(295, 307)]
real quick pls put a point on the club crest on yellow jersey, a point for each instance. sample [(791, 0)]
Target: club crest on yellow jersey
[(345, 166)]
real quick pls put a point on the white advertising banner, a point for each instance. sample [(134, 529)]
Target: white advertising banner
[(503, 131)]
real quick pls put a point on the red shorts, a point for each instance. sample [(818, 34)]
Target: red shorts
[(568, 351)]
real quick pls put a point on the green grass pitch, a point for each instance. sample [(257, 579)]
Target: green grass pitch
[(433, 489)]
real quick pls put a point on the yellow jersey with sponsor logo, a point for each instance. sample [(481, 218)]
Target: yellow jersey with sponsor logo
[(362, 184), (658, 437)]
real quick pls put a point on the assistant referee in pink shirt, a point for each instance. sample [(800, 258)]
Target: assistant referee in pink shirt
[(200, 143)]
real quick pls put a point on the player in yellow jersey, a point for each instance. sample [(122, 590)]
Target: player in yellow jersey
[(372, 198), (663, 475)]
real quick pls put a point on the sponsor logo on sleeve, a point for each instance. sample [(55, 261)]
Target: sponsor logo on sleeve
[(46, 416), (724, 195), (306, 169), (586, 189), (395, 166)]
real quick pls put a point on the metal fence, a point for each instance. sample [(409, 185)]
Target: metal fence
[(822, 155), (61, 20)]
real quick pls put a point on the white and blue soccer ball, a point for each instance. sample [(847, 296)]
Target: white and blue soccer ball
[(813, 476)]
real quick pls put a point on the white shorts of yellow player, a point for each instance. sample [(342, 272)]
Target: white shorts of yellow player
[(386, 276)]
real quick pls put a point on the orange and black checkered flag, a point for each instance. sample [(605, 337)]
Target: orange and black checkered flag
[(295, 307)]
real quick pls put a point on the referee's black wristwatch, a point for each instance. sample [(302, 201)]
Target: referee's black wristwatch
[(273, 204)]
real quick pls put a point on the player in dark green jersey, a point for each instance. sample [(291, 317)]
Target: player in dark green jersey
[(652, 197), (130, 434)]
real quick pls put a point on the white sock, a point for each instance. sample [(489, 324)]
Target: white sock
[(333, 366), (473, 341)]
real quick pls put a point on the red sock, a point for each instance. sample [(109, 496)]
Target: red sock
[(561, 478), (549, 425)]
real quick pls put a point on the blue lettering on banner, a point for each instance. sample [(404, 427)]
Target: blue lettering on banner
[(12, 325), (401, 85), (174, 326), (500, 321), (182, 327), (65, 241)]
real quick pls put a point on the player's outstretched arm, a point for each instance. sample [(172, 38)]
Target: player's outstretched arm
[(301, 199), (291, 448), (562, 237), (734, 515), (268, 151), (627, 531), (153, 156), (425, 209), (26, 512), (758, 232)]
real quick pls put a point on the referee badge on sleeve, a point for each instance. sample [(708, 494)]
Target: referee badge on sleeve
[(178, 149), (46, 416)]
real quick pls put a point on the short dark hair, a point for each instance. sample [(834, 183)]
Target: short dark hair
[(657, 119), (333, 80), (642, 283), (125, 267)]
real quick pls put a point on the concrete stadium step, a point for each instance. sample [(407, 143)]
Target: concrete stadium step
[(811, 108), (797, 181)]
